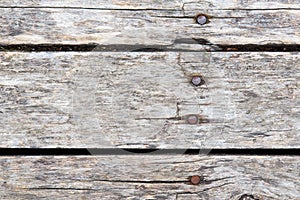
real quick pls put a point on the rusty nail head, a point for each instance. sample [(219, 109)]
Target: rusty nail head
[(197, 80), (193, 119), (195, 180), (201, 19)]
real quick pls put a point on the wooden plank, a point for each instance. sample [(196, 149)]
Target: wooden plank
[(164, 26), (142, 100), (154, 5), (150, 177)]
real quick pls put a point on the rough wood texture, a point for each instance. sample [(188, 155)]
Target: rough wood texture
[(149, 177), (148, 23), (141, 100)]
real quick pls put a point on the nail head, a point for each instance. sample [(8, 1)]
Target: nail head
[(196, 80), (192, 119), (195, 180), (247, 197), (201, 19)]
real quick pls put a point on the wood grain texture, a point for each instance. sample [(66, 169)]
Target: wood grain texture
[(148, 23), (149, 177), (141, 100)]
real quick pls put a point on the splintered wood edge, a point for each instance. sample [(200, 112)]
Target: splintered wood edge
[(150, 177), (142, 100)]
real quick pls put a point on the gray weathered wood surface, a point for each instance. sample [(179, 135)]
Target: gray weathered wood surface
[(148, 22), (141, 100), (127, 99), (149, 177)]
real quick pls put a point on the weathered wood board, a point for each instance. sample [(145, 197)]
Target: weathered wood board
[(148, 23), (154, 5), (149, 177), (121, 96), (141, 100)]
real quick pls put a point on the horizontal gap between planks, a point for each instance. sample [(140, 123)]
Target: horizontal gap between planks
[(94, 151), (150, 48)]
